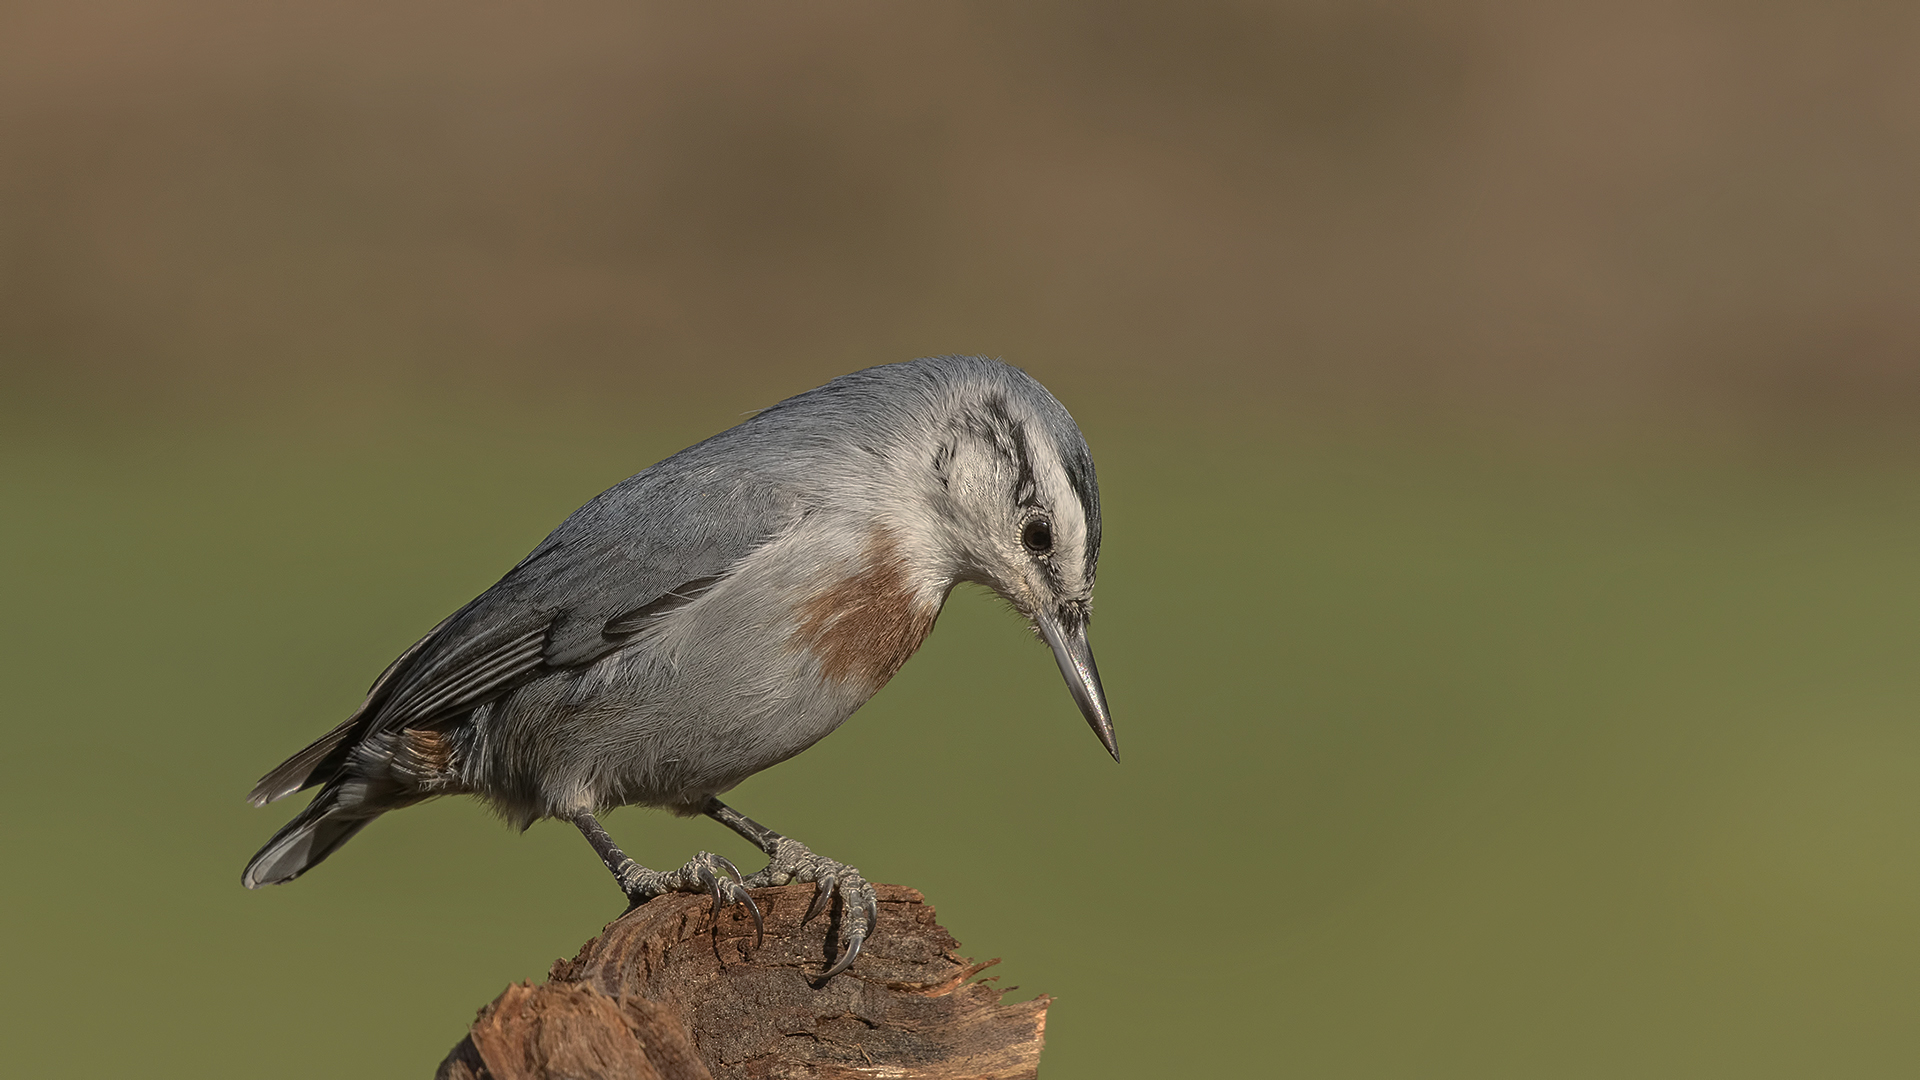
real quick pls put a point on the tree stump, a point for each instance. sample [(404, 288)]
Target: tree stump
[(672, 991)]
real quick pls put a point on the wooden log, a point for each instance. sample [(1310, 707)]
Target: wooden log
[(669, 991)]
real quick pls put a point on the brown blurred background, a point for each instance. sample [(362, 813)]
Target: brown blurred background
[(1520, 214), (1505, 417)]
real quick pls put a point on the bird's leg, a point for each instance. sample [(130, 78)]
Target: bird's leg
[(704, 873), (790, 860)]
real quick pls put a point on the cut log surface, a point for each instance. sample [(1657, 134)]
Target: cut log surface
[(674, 992)]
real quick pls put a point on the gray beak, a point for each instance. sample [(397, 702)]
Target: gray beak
[(1083, 678)]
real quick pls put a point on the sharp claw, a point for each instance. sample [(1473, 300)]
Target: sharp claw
[(822, 896), (759, 926), (854, 941), (731, 869), (822, 899)]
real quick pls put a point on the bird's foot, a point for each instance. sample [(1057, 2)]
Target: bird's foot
[(704, 873), (859, 905)]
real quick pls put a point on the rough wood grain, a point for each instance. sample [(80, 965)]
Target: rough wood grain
[(670, 992)]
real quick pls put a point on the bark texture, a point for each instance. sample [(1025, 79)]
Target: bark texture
[(671, 992)]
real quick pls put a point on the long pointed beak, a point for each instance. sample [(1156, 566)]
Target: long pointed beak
[(1083, 678)]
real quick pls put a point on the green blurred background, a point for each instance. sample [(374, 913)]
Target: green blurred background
[(1505, 417)]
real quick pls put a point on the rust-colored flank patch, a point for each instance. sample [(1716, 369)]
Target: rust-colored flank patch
[(424, 754), (865, 627)]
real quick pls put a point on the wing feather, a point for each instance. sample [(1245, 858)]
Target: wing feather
[(641, 549), (462, 684)]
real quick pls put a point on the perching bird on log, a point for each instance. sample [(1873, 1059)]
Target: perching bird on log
[(718, 613)]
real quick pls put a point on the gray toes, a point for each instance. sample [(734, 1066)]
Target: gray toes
[(859, 904), (859, 914), (639, 883), (701, 874), (704, 873)]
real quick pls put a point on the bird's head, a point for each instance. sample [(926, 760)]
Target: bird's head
[(1014, 495)]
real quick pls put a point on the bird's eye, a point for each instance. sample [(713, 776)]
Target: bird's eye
[(1038, 536)]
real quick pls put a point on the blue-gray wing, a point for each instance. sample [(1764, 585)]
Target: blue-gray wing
[(643, 547)]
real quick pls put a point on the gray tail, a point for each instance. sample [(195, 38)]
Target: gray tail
[(326, 823)]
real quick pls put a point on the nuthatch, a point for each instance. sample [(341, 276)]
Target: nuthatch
[(720, 612)]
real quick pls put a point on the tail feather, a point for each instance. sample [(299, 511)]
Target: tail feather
[(318, 762), (315, 833), (321, 761)]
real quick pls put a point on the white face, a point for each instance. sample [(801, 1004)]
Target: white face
[(1016, 515)]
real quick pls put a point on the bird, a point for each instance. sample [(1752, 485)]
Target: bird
[(718, 613)]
